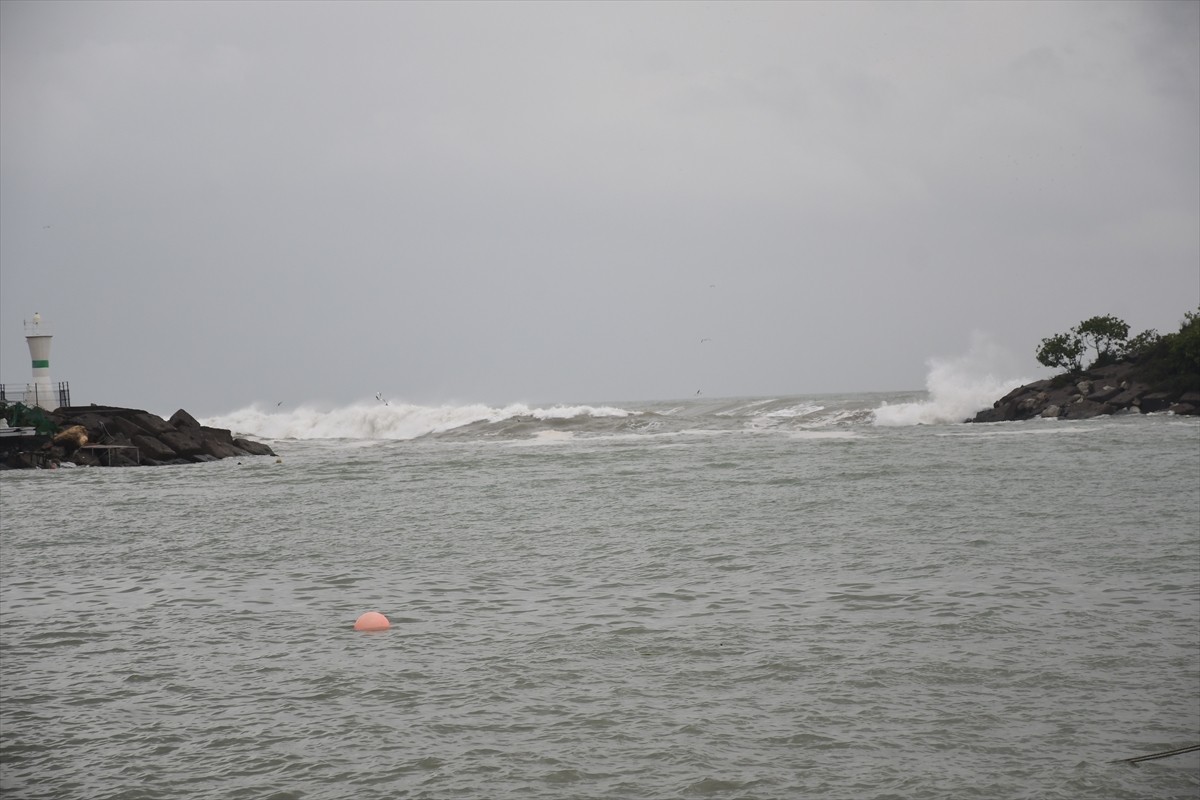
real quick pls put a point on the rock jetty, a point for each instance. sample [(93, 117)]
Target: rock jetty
[(106, 436), (1110, 389)]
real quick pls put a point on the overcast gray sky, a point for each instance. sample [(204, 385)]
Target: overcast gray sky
[(223, 203)]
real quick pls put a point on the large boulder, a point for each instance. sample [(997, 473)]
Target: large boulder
[(1104, 393), (1085, 408), (1154, 401), (126, 427), (182, 419), (150, 423), (219, 449), (184, 442), (253, 448), (152, 448)]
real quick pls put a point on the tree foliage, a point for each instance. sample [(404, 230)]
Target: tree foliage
[(1142, 344), (1061, 351), (1106, 335), (1184, 347)]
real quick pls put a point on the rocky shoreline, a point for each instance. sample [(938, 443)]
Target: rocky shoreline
[(1110, 389), (107, 436)]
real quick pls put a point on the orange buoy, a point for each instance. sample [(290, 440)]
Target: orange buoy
[(372, 621)]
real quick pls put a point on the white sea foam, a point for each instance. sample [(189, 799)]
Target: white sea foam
[(802, 410), (546, 438), (739, 410), (958, 387), (391, 421)]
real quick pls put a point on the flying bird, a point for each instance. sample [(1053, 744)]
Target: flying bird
[(702, 341)]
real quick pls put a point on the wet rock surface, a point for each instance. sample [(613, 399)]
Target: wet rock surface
[(104, 436), (1110, 389)]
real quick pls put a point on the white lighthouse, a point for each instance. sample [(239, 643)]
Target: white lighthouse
[(38, 335)]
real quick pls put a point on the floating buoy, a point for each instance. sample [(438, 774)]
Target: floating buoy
[(372, 621)]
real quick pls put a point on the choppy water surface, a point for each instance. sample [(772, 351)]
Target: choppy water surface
[(688, 602)]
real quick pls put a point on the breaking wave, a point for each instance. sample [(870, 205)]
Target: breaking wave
[(958, 387), (391, 421)]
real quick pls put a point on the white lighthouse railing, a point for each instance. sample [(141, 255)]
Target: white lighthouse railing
[(38, 327), (36, 394)]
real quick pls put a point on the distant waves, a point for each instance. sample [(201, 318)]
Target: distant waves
[(399, 421)]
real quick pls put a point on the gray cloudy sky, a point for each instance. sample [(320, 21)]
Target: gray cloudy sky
[(556, 202)]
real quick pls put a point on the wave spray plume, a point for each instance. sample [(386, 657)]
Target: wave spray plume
[(958, 387)]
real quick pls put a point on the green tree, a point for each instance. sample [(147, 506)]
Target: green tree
[(1141, 344), (1105, 334), (1184, 347), (1062, 351)]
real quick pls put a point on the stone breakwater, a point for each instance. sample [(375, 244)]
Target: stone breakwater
[(1111, 389), (105, 436)]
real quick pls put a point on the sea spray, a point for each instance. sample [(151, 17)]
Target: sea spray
[(958, 387)]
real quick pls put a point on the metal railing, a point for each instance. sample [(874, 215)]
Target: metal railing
[(31, 394)]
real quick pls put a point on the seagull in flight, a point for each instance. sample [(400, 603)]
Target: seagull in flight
[(702, 341)]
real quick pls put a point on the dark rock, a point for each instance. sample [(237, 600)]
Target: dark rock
[(125, 426), (1129, 386), (1154, 402), (1104, 394), (994, 414), (216, 448), (150, 449), (253, 448), (150, 423), (219, 434), (182, 419), (112, 433), (97, 425), (184, 442), (1086, 409), (1130, 396)]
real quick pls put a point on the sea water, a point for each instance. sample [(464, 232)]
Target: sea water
[(786, 597)]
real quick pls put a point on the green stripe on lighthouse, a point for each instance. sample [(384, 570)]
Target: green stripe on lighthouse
[(41, 363)]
